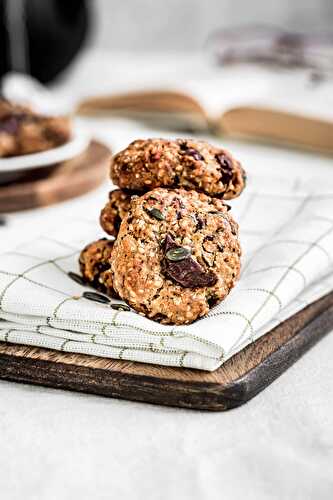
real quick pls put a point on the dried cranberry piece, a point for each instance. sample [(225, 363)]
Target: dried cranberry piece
[(155, 157), (194, 154), (186, 272), (225, 167), (10, 125)]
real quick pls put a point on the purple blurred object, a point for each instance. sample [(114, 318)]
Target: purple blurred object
[(270, 45)]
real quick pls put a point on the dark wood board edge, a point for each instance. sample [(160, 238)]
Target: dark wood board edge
[(59, 182), (112, 384), (261, 376), (171, 392)]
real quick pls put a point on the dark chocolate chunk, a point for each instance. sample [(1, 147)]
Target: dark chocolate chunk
[(194, 154), (117, 222), (169, 243), (190, 151), (125, 167), (176, 180), (159, 317), (101, 267), (199, 222), (212, 301), (186, 272), (178, 202), (225, 168)]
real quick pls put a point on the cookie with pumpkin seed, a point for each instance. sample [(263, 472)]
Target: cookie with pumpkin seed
[(183, 163), (95, 265), (177, 254), (115, 210)]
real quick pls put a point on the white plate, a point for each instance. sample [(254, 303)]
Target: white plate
[(74, 147)]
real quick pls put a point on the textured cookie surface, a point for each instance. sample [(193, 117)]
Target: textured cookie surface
[(176, 255), (151, 163), (95, 265), (115, 210), (23, 131)]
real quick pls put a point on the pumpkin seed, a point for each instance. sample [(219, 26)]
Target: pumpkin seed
[(77, 278), (156, 213), (96, 297), (176, 254), (120, 307)]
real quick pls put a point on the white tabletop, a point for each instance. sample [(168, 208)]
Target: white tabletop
[(63, 445)]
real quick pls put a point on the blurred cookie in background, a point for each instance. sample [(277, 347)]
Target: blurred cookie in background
[(23, 131)]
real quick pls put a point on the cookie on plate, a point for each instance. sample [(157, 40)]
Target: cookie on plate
[(177, 254), (115, 210), (22, 131), (189, 164), (95, 265)]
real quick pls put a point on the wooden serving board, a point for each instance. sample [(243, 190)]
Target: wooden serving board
[(45, 186), (238, 380)]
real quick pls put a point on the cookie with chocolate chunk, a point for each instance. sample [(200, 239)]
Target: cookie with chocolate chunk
[(22, 131), (95, 265), (177, 254), (189, 164), (115, 210)]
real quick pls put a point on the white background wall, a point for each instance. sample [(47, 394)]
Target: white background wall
[(185, 24)]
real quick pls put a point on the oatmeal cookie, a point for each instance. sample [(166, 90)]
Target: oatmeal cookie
[(151, 163), (95, 265), (177, 254), (22, 131), (115, 210)]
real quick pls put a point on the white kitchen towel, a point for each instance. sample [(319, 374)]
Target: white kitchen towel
[(286, 233)]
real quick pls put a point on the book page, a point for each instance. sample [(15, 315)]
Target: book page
[(278, 89), (216, 88)]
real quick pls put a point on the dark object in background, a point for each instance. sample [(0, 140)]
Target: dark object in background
[(269, 45), (41, 37)]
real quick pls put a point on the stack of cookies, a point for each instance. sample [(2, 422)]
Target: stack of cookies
[(175, 252)]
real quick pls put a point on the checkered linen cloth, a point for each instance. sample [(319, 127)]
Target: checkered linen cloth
[(287, 238)]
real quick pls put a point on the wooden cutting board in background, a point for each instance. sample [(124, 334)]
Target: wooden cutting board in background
[(66, 180), (238, 380)]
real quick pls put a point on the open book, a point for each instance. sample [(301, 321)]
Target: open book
[(278, 106)]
